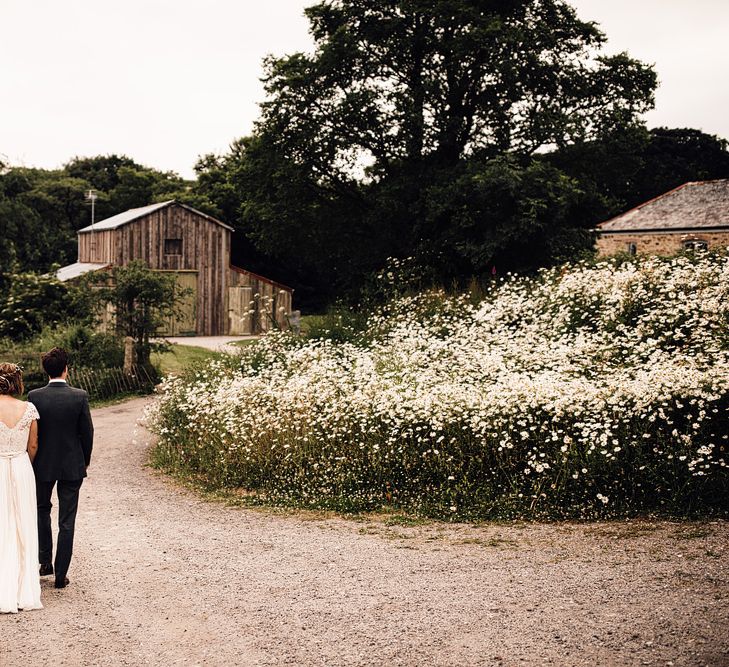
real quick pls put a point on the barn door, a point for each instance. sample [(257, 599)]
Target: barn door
[(239, 303), (186, 323)]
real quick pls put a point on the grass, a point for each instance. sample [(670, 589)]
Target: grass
[(119, 398), (695, 532), (179, 357), (309, 322), (404, 520), (243, 343)]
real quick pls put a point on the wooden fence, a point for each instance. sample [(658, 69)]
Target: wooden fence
[(103, 383), (99, 383)]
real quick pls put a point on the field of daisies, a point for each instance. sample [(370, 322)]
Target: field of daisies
[(590, 390)]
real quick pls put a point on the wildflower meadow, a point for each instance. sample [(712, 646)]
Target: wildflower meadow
[(589, 390)]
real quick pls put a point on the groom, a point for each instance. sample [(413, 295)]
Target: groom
[(65, 440)]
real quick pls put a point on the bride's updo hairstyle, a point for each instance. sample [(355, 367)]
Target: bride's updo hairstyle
[(11, 380)]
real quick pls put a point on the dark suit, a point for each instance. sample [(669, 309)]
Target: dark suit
[(65, 441)]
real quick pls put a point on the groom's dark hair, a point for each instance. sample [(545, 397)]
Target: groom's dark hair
[(54, 362)]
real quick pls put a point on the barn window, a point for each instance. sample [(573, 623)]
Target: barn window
[(632, 248), (173, 246), (695, 244)]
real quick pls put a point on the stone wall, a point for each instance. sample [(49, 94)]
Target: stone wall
[(656, 243)]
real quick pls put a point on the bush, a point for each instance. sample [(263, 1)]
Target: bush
[(89, 351), (29, 302), (590, 390)]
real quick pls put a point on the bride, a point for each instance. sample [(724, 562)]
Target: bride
[(19, 578)]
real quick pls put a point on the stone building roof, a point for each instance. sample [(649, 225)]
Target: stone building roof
[(696, 205)]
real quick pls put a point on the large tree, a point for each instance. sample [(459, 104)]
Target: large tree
[(39, 213), (371, 145), (396, 81)]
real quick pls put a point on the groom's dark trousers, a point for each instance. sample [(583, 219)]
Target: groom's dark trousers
[(65, 441), (67, 508)]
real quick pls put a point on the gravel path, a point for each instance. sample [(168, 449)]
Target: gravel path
[(215, 343), (161, 577)]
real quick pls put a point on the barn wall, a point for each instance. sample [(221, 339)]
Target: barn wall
[(656, 243), (205, 249), (97, 247), (271, 301)]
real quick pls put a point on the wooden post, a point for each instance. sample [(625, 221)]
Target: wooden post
[(295, 321), (128, 355)]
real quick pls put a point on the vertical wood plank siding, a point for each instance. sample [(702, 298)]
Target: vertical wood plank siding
[(205, 249), (96, 247), (271, 300)]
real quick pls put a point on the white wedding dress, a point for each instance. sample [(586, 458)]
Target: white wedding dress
[(19, 578)]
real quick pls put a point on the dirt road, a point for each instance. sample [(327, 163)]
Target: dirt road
[(160, 577)]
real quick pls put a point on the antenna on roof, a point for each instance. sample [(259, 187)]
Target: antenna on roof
[(92, 197)]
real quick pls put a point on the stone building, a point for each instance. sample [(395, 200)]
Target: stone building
[(694, 215)]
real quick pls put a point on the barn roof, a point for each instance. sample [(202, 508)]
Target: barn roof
[(120, 219), (77, 269), (691, 206), (258, 276)]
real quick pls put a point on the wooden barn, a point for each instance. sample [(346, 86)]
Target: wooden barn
[(195, 247)]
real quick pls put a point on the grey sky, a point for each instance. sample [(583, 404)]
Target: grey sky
[(164, 81)]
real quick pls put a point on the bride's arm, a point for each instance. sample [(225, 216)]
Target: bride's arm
[(33, 440)]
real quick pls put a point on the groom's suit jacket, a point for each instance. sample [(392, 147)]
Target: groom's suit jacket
[(65, 432)]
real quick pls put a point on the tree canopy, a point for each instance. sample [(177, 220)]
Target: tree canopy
[(41, 209), (417, 128), (393, 82)]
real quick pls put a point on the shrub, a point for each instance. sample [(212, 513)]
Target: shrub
[(89, 348), (590, 390), (90, 352), (29, 302)]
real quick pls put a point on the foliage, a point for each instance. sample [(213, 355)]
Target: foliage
[(38, 211), (595, 389), (122, 184), (29, 302), (142, 299), (629, 166), (412, 130), (498, 216), (89, 351), (400, 82), (41, 210)]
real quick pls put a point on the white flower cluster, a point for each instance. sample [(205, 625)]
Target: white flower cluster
[(587, 384)]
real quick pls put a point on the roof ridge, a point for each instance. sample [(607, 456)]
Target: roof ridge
[(136, 208)]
